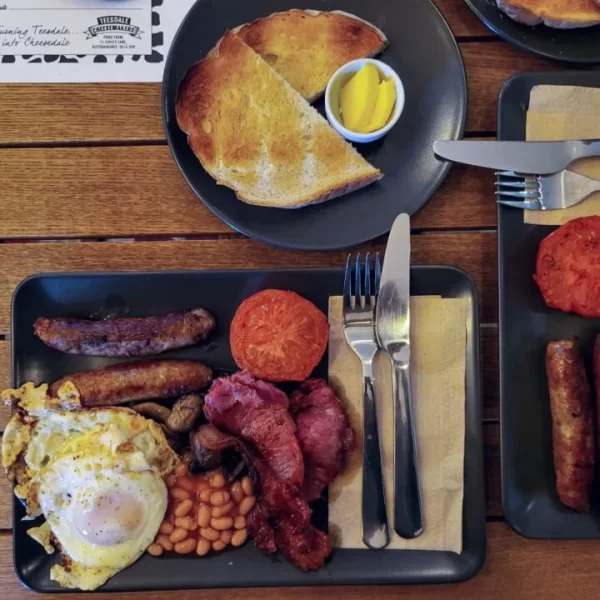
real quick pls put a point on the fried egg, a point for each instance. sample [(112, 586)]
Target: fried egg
[(96, 475), (103, 510)]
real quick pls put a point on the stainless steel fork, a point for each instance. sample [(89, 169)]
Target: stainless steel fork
[(544, 192), (359, 329)]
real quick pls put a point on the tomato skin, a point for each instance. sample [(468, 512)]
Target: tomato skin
[(568, 267), (278, 335)]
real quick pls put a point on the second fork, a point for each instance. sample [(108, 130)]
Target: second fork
[(359, 330)]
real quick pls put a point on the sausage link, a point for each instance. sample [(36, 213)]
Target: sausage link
[(130, 382), (572, 423), (130, 336)]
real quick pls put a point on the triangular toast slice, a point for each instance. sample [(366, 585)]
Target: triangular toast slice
[(306, 47), (255, 134)]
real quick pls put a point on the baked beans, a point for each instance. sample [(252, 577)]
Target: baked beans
[(204, 513)]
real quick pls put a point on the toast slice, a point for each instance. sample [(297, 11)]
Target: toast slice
[(306, 47), (255, 134), (560, 14)]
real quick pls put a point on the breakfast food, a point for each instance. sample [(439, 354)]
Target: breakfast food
[(561, 14), (280, 517), (279, 336), (204, 513), (125, 336), (324, 434), (567, 269), (257, 412), (131, 382), (367, 100), (572, 423), (306, 47), (95, 475), (255, 134)]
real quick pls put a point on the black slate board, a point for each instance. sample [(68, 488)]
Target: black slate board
[(142, 294), (580, 45), (530, 501), (423, 52)]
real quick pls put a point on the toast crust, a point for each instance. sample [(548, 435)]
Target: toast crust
[(306, 47), (559, 14), (255, 134)]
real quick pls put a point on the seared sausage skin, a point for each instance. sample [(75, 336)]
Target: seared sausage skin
[(572, 423), (131, 382), (143, 336)]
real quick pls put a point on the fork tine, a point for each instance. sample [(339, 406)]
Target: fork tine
[(357, 283), (377, 275), (348, 282), (525, 205), (517, 184), (368, 279), (530, 195)]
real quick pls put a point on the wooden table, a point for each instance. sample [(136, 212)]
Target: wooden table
[(87, 183)]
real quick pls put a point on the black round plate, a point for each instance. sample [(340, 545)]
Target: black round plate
[(581, 45), (423, 52)]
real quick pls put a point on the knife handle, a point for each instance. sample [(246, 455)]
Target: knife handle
[(376, 532), (408, 514)]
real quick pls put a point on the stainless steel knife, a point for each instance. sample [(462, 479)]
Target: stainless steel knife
[(535, 158), (392, 324)]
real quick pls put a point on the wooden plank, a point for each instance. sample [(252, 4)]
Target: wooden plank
[(515, 568), (4, 379), (473, 252), (5, 503), (461, 19), (80, 112), (131, 112), (490, 383), (489, 65), (138, 191)]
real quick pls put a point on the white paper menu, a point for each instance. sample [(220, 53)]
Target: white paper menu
[(73, 41)]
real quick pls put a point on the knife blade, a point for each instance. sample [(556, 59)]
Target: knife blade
[(392, 323), (535, 158)]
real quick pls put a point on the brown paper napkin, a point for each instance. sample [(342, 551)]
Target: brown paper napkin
[(565, 113), (438, 343)]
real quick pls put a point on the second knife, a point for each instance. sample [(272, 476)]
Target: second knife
[(393, 333)]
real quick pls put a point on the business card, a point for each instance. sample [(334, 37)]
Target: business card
[(75, 27)]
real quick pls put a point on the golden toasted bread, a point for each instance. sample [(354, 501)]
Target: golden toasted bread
[(561, 14), (306, 47), (255, 134)]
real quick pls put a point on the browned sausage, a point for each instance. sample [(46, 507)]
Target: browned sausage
[(141, 336), (572, 423), (137, 381)]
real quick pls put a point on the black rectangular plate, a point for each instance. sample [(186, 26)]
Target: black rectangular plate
[(529, 497), (141, 294)]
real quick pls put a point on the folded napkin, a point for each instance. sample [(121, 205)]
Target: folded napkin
[(438, 343), (565, 113)]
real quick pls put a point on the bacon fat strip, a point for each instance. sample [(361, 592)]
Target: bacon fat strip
[(131, 382), (572, 423), (131, 336)]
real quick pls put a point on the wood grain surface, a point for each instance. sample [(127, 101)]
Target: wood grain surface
[(474, 252), (81, 113), (90, 162), (138, 191)]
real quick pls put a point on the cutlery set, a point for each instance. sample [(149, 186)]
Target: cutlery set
[(530, 175), (378, 319)]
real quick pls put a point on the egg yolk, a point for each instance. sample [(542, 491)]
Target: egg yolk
[(112, 518)]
